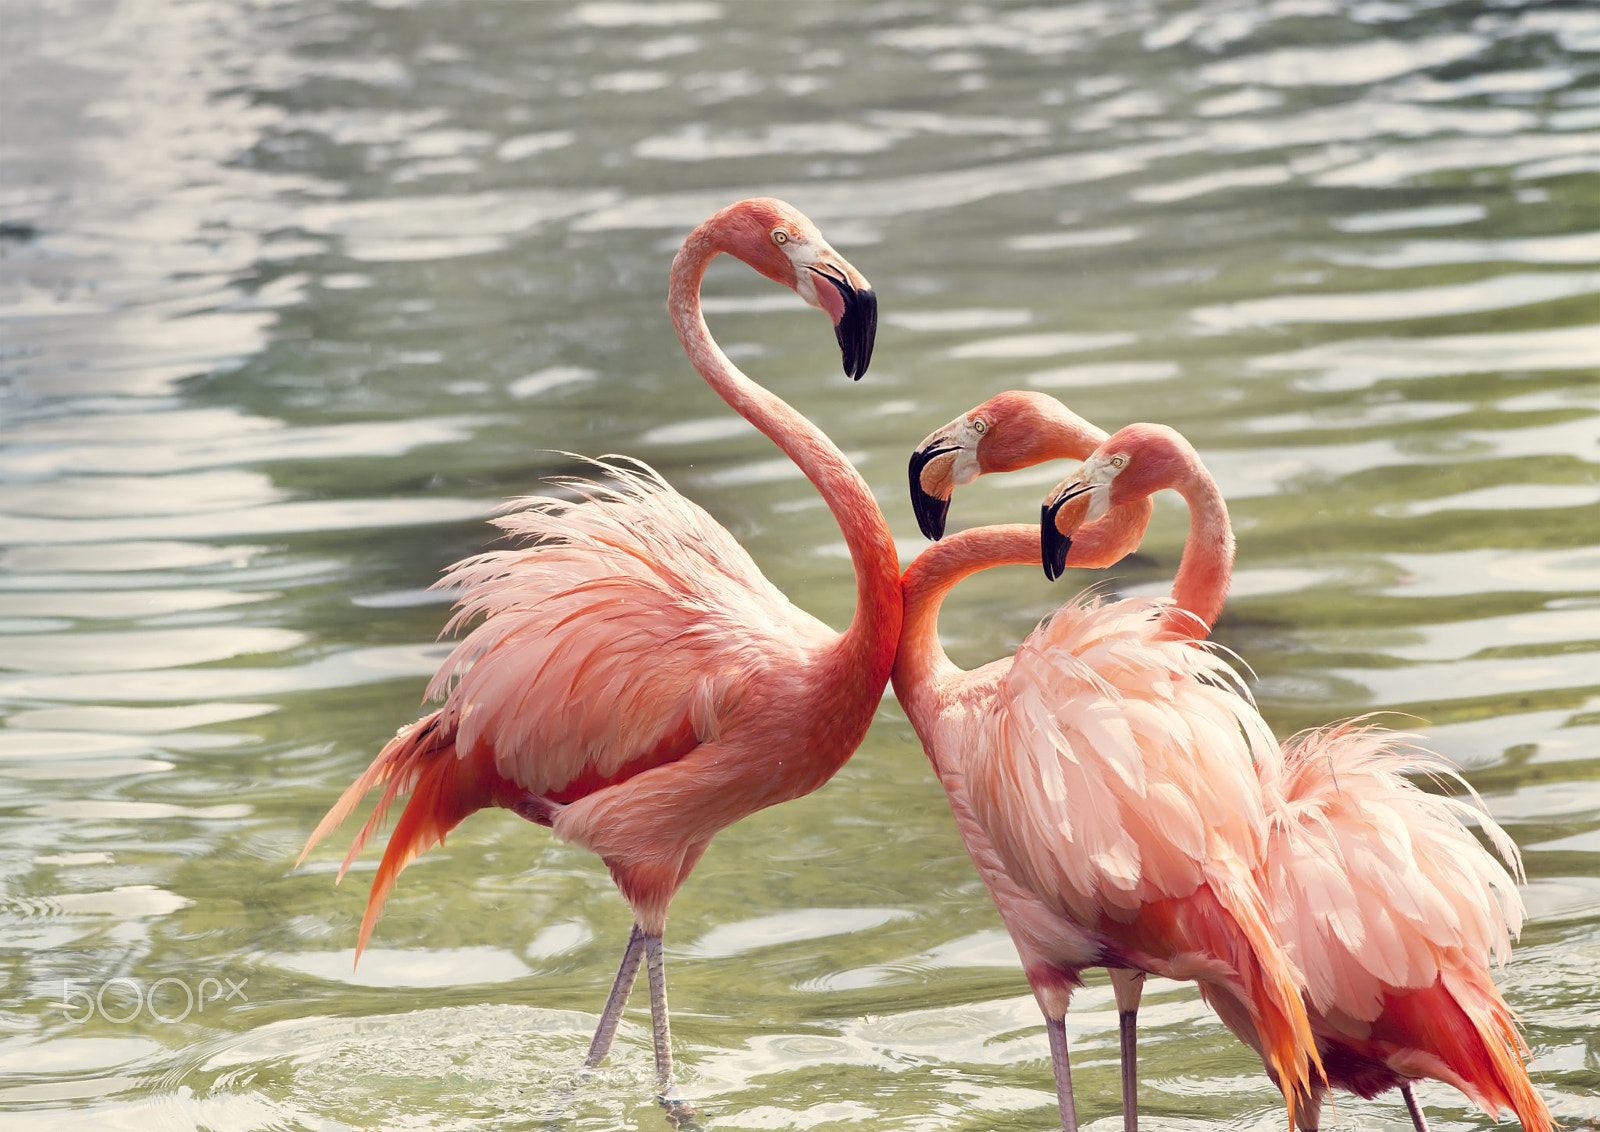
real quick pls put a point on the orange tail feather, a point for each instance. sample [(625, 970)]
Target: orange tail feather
[(1464, 1023), (1228, 942), (395, 752), (444, 789), (1274, 986)]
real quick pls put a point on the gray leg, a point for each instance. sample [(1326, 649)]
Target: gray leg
[(679, 1112), (1128, 985), (660, 1026), (1057, 1030), (1415, 1109), (620, 989), (1128, 1023)]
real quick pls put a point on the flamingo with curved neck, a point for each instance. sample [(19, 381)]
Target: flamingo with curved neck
[(985, 732), (1010, 431), (635, 684), (1395, 943)]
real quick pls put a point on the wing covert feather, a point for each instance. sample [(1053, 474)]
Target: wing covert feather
[(620, 614)]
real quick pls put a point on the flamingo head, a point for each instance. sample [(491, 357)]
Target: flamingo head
[(1133, 464), (779, 241), (1011, 430)]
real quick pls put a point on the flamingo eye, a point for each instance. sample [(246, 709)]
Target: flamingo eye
[(779, 236), (1119, 461), (979, 425)]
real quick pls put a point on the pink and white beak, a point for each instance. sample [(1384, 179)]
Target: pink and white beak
[(825, 279), (1079, 500), (946, 460)]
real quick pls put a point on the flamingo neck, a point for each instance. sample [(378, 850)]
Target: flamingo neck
[(1067, 436), (1201, 585), (1044, 430), (921, 666), (866, 649)]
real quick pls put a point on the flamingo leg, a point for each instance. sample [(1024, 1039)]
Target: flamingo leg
[(617, 999), (680, 1113), (1127, 1021), (1129, 988), (661, 1028), (1415, 1109), (1057, 1029)]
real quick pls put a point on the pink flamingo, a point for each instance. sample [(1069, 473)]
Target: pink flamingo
[(1379, 891), (1114, 816), (1012, 430), (637, 684)]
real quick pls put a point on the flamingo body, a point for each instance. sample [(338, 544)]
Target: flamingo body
[(1380, 892), (1107, 832), (1395, 911), (1117, 783), (634, 682), (618, 646)]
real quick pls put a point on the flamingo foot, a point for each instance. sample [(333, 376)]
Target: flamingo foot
[(1415, 1109), (617, 999), (1057, 1029), (679, 1112)]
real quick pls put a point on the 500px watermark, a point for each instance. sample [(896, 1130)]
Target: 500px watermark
[(121, 1000)]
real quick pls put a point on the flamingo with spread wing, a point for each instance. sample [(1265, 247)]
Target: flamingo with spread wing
[(635, 683)]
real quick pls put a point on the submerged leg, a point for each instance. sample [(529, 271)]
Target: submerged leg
[(1415, 1109), (1057, 1029), (679, 1112), (1129, 987), (617, 999), (661, 1028)]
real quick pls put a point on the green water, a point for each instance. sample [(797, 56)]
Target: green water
[(294, 292)]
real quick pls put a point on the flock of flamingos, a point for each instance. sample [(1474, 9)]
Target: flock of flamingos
[(634, 683)]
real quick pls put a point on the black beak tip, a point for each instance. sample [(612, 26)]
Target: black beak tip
[(1053, 545), (931, 514), (931, 511), (857, 329)]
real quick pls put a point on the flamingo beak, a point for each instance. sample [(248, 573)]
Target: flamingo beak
[(930, 472), (856, 323), (1057, 521)]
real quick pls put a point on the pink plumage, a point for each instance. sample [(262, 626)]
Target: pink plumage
[(1378, 889), (1117, 781), (1381, 894), (1395, 911), (631, 679)]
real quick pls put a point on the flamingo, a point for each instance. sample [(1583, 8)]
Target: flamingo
[(1012, 430), (636, 684), (1379, 891), (1113, 814)]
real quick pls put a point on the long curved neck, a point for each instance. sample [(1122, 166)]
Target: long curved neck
[(1201, 585), (873, 631), (921, 663)]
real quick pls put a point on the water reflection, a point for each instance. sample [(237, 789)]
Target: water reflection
[(293, 295)]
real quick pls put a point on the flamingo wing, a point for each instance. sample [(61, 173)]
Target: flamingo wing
[(1124, 763), (620, 634), (1377, 884)]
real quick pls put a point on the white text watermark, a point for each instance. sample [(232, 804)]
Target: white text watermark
[(121, 1000)]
